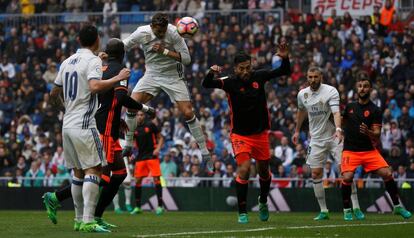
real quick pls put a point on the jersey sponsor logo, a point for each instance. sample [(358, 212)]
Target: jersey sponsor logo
[(366, 113), (255, 85)]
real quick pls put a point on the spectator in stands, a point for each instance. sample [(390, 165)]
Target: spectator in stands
[(168, 167), (229, 176), (33, 177), (62, 176), (109, 11), (284, 153)]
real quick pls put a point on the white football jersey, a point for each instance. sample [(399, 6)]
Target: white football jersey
[(320, 105), (74, 75), (155, 62)]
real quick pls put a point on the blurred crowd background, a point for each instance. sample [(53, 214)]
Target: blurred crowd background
[(379, 43)]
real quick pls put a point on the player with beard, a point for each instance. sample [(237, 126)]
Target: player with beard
[(362, 129), (319, 102)]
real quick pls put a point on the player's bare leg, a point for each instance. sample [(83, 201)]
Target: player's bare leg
[(347, 181), (354, 198), (319, 193), (265, 178), (392, 190), (242, 182), (110, 188), (195, 128), (158, 190), (138, 194)]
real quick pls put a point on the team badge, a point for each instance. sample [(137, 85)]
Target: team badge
[(241, 89), (255, 85), (366, 113), (305, 95), (147, 130)]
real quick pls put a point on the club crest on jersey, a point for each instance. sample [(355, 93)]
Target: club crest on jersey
[(351, 111), (305, 95), (255, 85), (241, 89), (147, 130), (366, 113)]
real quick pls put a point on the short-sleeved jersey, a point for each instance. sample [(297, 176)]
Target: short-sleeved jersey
[(320, 105), (155, 62), (108, 116), (74, 75), (354, 115), (146, 138)]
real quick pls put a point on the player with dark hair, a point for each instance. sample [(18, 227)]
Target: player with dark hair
[(165, 54), (250, 122), (362, 129), (108, 120), (78, 82), (149, 142)]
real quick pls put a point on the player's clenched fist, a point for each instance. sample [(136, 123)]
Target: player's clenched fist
[(124, 74), (216, 69)]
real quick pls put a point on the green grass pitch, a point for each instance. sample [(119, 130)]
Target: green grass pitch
[(207, 224)]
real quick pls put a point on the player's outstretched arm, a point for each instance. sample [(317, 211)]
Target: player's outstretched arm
[(98, 85), (209, 81), (182, 55)]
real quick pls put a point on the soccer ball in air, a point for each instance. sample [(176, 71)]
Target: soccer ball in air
[(187, 27)]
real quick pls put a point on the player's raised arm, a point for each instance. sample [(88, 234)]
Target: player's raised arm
[(209, 81), (180, 52), (121, 94), (284, 68)]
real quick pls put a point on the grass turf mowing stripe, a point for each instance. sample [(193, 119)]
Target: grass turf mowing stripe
[(270, 228)]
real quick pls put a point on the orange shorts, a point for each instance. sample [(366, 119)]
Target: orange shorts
[(370, 161), (145, 168), (256, 145), (110, 146)]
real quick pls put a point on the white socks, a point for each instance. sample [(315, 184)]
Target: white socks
[(76, 190), (128, 193), (131, 122), (195, 129), (116, 202), (354, 196), (90, 194), (320, 194)]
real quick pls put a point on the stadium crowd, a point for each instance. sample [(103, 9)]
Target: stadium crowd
[(30, 132)]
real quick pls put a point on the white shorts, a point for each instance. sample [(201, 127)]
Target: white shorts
[(175, 87), (318, 152), (82, 148)]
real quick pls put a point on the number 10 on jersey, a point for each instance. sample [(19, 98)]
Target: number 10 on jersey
[(71, 85)]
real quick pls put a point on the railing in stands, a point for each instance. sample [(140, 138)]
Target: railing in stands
[(243, 17)]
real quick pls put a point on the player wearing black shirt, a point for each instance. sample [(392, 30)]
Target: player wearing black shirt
[(149, 142), (362, 129), (250, 122)]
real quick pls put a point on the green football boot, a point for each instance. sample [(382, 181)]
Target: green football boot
[(159, 211), (243, 218), (348, 214), (359, 214), (129, 208), (399, 210), (322, 216), (263, 210), (137, 210), (92, 227), (104, 224), (51, 204), (77, 225)]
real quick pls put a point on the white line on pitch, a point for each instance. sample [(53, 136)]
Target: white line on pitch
[(270, 228)]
